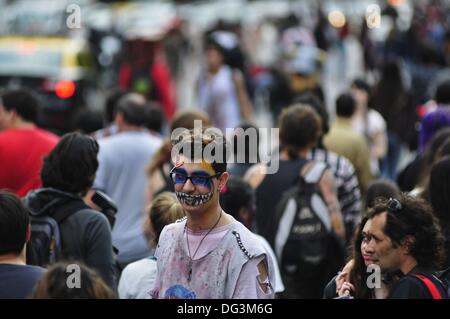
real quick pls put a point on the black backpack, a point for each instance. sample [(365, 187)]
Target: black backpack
[(308, 251), (45, 245)]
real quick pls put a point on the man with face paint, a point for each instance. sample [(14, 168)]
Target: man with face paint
[(208, 254), (406, 237)]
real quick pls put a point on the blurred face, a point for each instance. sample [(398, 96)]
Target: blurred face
[(360, 96), (379, 246), (197, 185), (214, 58), (6, 118)]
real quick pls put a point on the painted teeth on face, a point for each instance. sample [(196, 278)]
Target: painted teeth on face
[(194, 200)]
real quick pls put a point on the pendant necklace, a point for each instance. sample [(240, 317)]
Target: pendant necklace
[(191, 258)]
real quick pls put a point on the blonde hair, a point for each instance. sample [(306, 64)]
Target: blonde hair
[(164, 209)]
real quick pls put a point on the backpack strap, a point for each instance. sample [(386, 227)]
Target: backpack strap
[(315, 172), (435, 294)]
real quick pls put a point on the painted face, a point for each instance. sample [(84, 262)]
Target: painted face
[(380, 245), (195, 184)]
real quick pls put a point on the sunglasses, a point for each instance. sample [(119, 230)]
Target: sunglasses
[(394, 205), (180, 177)]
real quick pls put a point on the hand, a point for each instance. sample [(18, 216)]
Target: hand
[(346, 289), (343, 276)]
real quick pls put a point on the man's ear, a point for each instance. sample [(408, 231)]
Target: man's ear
[(223, 180), (407, 244)]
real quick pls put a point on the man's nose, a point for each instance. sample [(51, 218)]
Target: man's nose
[(188, 186)]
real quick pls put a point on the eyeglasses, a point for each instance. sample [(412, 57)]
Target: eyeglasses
[(394, 205), (178, 177)]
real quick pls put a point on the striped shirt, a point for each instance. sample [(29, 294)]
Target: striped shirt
[(348, 192)]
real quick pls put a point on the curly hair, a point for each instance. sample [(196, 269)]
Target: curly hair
[(413, 218), (72, 164)]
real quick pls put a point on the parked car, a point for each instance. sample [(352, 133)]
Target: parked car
[(60, 70)]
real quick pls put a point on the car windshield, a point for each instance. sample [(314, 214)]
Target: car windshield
[(38, 62)]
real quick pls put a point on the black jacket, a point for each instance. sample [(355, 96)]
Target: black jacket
[(85, 235)]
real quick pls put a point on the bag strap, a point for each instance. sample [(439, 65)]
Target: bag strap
[(315, 172), (435, 294)]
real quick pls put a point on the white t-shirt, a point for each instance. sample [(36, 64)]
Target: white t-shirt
[(138, 279)]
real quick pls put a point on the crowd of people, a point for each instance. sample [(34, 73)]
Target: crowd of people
[(339, 218)]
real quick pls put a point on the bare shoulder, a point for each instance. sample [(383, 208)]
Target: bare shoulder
[(255, 175)]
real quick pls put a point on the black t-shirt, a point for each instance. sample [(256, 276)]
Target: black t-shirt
[(410, 287), (18, 281)]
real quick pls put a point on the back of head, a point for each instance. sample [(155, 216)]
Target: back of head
[(236, 195), (14, 221), (439, 189), (381, 188), (133, 108), (165, 209), (410, 221), (72, 164), (442, 95), (317, 104), (345, 105), (87, 284), (245, 141), (112, 99), (23, 102), (155, 117), (300, 128)]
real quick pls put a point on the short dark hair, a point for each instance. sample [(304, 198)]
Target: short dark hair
[(14, 221), (133, 107), (413, 218), (361, 84), (209, 139), (345, 105), (316, 103), (237, 194), (155, 117), (442, 95), (381, 188), (23, 102), (72, 164), (300, 126), (53, 285)]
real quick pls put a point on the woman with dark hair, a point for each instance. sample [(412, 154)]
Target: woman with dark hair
[(54, 284), (355, 271), (439, 190), (68, 173)]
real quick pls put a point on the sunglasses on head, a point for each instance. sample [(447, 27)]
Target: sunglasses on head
[(179, 176), (394, 205)]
